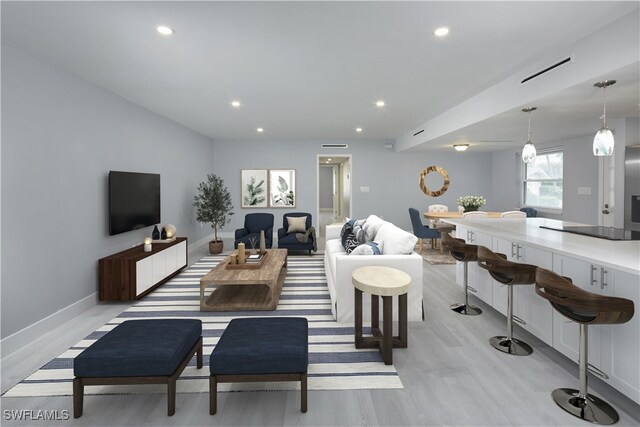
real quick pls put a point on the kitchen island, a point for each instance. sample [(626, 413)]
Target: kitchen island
[(600, 266)]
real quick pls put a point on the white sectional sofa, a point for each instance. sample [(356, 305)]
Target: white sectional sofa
[(339, 265)]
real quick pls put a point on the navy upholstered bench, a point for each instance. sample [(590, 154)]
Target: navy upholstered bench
[(261, 349), (154, 351)]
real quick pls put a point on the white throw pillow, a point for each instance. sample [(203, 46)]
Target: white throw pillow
[(370, 248), (297, 224), (396, 241), (371, 227)]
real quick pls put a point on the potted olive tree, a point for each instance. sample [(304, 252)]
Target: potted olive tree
[(213, 205)]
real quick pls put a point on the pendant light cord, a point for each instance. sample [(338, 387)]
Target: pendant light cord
[(529, 133), (604, 100)]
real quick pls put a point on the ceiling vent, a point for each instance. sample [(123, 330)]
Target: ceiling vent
[(334, 145), (546, 70), (418, 133)]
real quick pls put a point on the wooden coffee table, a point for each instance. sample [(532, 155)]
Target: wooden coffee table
[(245, 289)]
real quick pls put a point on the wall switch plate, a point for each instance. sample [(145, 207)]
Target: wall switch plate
[(584, 190), (364, 189)]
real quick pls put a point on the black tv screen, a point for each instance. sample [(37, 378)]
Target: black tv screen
[(134, 201)]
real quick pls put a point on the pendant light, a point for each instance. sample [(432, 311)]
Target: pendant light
[(529, 150), (603, 141)]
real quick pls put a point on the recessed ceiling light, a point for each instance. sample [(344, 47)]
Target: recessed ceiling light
[(441, 32), (235, 104), (460, 147), (380, 103), (164, 30), (328, 160), (260, 130), (358, 130)]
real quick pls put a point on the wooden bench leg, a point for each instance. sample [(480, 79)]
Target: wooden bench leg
[(78, 397), (171, 396), (303, 393), (199, 355), (213, 395)]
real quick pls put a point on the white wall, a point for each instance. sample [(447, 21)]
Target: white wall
[(580, 170), (392, 177), (325, 187), (60, 137)]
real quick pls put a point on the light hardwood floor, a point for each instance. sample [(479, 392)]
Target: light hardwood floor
[(450, 373)]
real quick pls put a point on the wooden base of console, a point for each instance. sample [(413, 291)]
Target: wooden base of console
[(133, 273)]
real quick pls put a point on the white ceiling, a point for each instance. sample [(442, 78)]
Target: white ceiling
[(313, 70)]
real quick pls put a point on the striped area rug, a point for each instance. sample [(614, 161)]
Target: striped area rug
[(334, 362)]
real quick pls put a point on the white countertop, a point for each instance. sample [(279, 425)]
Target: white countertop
[(619, 254)]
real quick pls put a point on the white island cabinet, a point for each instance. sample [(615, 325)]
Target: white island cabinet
[(600, 266), (480, 283), (532, 312)]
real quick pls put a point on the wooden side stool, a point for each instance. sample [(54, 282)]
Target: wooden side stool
[(153, 351), (382, 282)]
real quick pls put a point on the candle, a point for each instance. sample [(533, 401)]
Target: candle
[(147, 244), (241, 253)]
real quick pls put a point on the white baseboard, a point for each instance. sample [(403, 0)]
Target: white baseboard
[(199, 243), (23, 337)]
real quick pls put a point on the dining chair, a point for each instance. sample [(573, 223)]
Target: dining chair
[(420, 230), (513, 214), (436, 209), (474, 213), (531, 212)]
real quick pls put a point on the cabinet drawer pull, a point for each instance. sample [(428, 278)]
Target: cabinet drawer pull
[(603, 283), (518, 256), (472, 289), (513, 250), (597, 371), (517, 319), (593, 269)]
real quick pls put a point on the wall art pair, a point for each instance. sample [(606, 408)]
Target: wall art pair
[(274, 188)]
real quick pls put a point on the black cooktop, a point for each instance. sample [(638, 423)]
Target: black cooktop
[(599, 231)]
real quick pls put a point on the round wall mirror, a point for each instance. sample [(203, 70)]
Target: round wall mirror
[(445, 184)]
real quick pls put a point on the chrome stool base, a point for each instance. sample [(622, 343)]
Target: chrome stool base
[(465, 309), (589, 408), (513, 346)]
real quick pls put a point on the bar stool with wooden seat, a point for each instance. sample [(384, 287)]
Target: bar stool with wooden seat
[(510, 274), (586, 309), (464, 253)]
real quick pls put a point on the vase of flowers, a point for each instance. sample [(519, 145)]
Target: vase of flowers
[(471, 203)]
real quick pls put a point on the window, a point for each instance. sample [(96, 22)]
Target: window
[(542, 181)]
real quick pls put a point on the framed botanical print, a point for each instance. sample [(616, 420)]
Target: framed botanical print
[(282, 188), (254, 188)]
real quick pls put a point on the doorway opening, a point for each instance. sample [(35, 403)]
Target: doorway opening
[(333, 175)]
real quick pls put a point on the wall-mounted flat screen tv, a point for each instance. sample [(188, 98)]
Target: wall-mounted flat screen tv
[(134, 201)]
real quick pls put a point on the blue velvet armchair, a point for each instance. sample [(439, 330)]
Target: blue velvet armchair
[(420, 230), (290, 240), (253, 223)]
